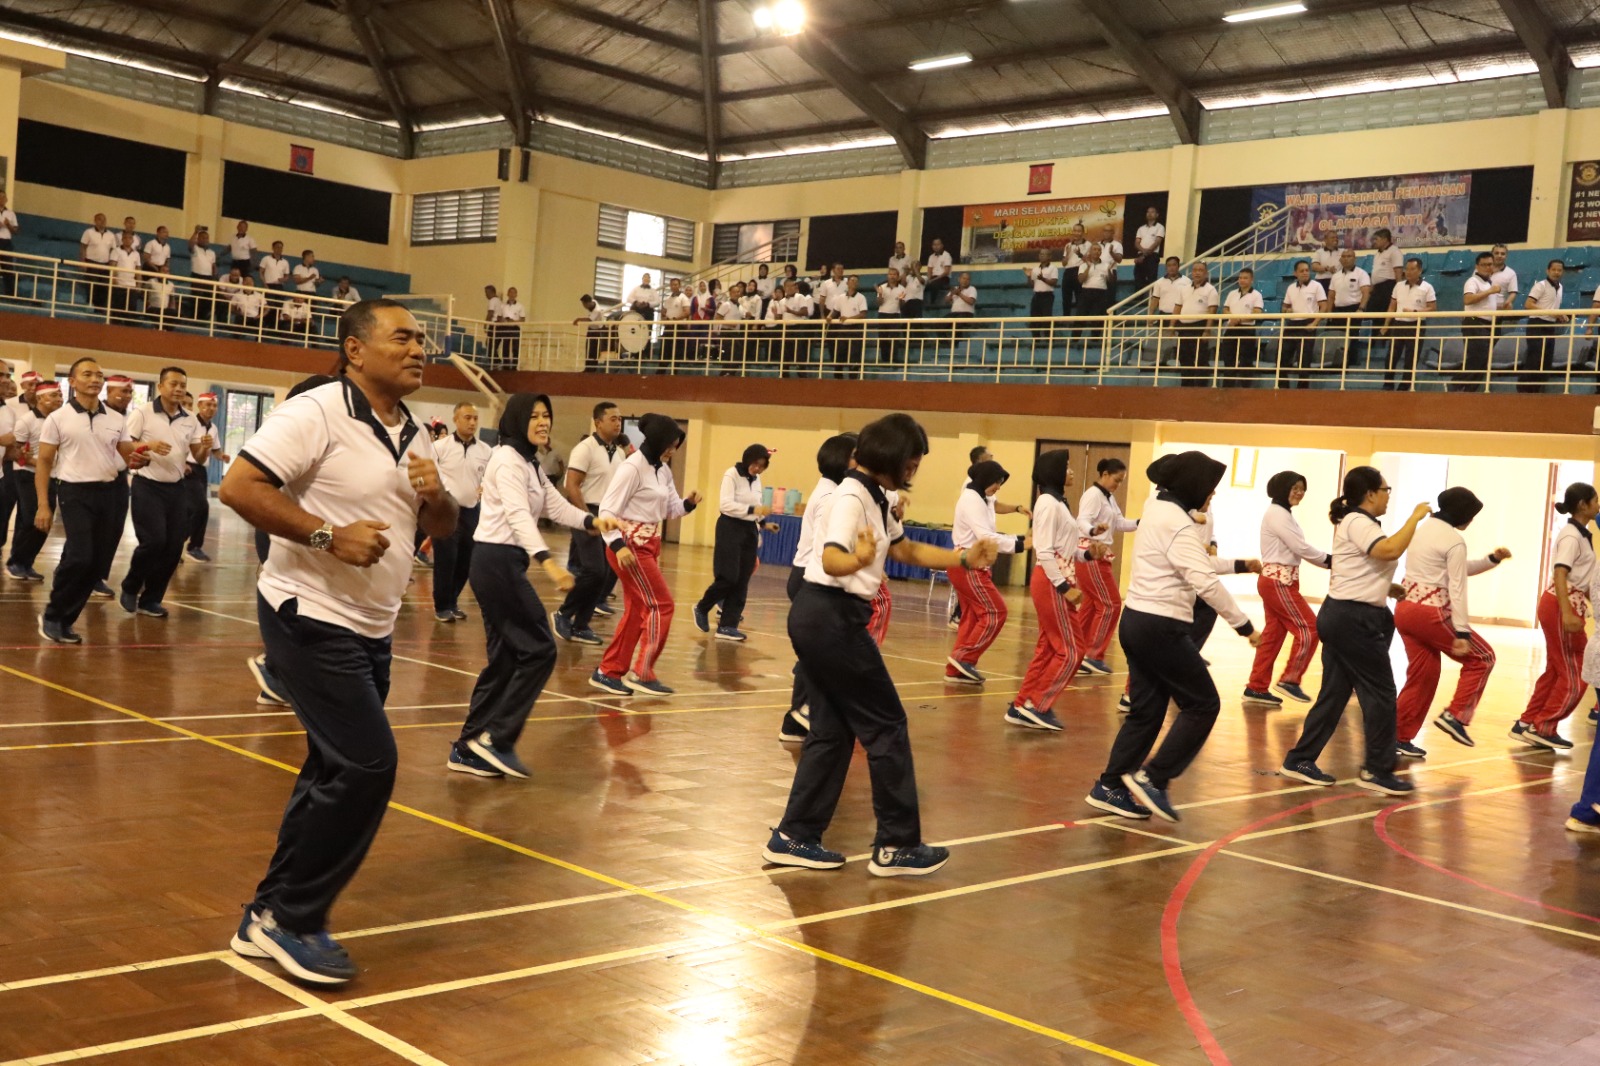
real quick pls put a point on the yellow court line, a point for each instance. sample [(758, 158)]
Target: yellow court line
[(614, 882), (217, 1029)]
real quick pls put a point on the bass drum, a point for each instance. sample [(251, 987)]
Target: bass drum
[(633, 333)]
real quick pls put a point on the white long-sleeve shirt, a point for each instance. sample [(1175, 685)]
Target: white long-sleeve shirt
[(1171, 566), (1283, 542), (740, 496), (462, 467), (1437, 561), (642, 496), (1056, 534), (974, 521), (813, 521), (516, 494), (1098, 507)]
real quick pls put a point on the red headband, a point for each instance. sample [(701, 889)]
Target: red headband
[(48, 386), (119, 379), (207, 396), (32, 375)]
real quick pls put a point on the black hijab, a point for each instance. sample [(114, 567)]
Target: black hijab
[(1279, 486), (1458, 506), (514, 421), (756, 453), (980, 476), (1190, 478), (1050, 472), (660, 432), (1156, 472)]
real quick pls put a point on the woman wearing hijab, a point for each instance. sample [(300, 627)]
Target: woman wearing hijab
[(642, 498), (852, 695), (1102, 603), (1356, 629), (1170, 568), (834, 460), (1432, 621), (1056, 536), (983, 611), (1562, 610), (1283, 548), (522, 651), (733, 558)]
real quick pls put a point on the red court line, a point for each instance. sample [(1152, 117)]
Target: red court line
[(1380, 826), (1169, 927), (43, 645)]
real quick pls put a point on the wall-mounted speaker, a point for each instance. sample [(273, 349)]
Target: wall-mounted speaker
[(503, 167), (527, 161)]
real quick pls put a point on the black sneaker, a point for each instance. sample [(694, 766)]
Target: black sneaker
[(128, 602), (102, 591), (1455, 729), (1524, 732), (792, 732), (786, 851), (1116, 801), (1141, 789), (914, 861), (1386, 783), (57, 633), (1263, 699), (1406, 749), (1307, 771)]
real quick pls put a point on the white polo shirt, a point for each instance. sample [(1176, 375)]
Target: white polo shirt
[(1575, 551), (1198, 300), (461, 467), (203, 261), (1072, 255), (86, 442), (912, 288), (643, 496), (1546, 297), (963, 301), (1409, 298), (1388, 265), (1506, 278), (1043, 276), (1492, 302), (899, 262), (8, 224), (939, 264), (828, 289), (1345, 288), (643, 294), (249, 303), (274, 268), (1094, 275), (856, 505), (26, 431), (1325, 263), (596, 461), (889, 297), (1168, 293), (1357, 576), (1110, 252), (1304, 301), (513, 312), (330, 454), (125, 268), (99, 244), (151, 424), (1243, 304), (798, 308), (353, 295), (157, 252), (849, 305), (814, 517), (307, 278), (242, 248), (1150, 236)]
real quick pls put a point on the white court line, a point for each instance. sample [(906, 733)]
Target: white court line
[(219, 1029)]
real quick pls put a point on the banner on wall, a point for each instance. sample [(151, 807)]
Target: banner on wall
[(1421, 210), (1014, 233), (1040, 176), (1583, 203)]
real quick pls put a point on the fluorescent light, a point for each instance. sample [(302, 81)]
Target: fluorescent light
[(936, 62), (1250, 14)]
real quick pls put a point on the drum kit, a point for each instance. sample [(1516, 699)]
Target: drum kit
[(632, 331)]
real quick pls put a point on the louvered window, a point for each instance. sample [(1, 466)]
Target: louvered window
[(680, 239), (756, 242), (607, 282), (645, 234), (463, 216)]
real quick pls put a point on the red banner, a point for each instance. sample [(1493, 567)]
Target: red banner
[(1040, 176), (302, 160)]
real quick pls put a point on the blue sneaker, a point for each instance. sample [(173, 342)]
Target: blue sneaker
[(1095, 666), (315, 958), (702, 619), (907, 862), (1456, 729), (271, 693), (786, 851), (57, 633), (102, 591), (448, 617), (1261, 699), (461, 616), (607, 683), (503, 759), (960, 673), (1116, 801), (652, 687), (128, 602), (730, 633), (562, 625), (16, 571), (1309, 772), (464, 761), (241, 943), (1028, 716), (604, 610), (1293, 691), (1407, 750), (1142, 789), (1386, 783), (30, 574), (157, 611), (586, 636)]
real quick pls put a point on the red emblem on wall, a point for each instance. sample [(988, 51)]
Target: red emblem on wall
[(1040, 176), (302, 160)]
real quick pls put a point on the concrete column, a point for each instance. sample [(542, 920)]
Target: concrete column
[(18, 61), (1183, 201), (1548, 207)]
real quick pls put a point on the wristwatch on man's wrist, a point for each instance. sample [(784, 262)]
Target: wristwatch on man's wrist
[(321, 538)]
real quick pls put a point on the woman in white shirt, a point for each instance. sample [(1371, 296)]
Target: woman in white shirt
[(983, 609), (643, 498), (522, 651), (1544, 327), (1356, 629), (853, 698), (733, 559), (1432, 621), (1283, 548), (1096, 618), (1171, 566), (1053, 588), (1562, 611), (1240, 347)]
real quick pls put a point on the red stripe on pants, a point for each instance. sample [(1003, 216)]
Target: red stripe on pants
[(1561, 686), (1427, 634), (1056, 656), (882, 608), (1288, 615), (646, 614), (1096, 617), (983, 612)]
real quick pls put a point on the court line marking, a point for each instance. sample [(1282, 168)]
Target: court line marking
[(651, 894), (156, 1040)]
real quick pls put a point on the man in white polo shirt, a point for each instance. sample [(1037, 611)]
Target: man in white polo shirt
[(1481, 295), (1387, 267), (94, 250), (160, 508), (1045, 279), (9, 228), (342, 478), (1306, 301), (1167, 293), (118, 397), (1148, 243), (939, 265), (203, 302), (1408, 298), (242, 249), (1197, 302), (1349, 291), (589, 471), (24, 448), (197, 479), (462, 461), (847, 316), (1325, 261), (125, 263), (78, 446), (157, 251), (275, 269), (307, 275)]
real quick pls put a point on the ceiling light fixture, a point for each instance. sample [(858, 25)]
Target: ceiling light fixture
[(937, 62), (1250, 14), (783, 17)]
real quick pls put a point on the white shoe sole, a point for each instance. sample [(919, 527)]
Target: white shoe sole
[(1137, 791), (1298, 776), (248, 950), (1575, 826), (783, 858), (1464, 741), (1419, 755), (487, 754), (904, 871), (1111, 808), (285, 960), (1258, 701), (1093, 672), (1373, 786), (962, 673), (609, 690), (638, 688), (1029, 720), (791, 738), (264, 700), (803, 716), (732, 640), (1290, 695)]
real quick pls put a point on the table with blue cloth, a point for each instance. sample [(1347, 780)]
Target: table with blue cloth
[(939, 538), (777, 549)]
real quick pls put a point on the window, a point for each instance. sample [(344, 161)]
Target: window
[(614, 280), (242, 414), (645, 234), (465, 216), (756, 242)]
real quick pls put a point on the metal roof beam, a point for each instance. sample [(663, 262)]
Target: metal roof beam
[(505, 40), (198, 13), (418, 42), (819, 53), (1135, 51), (1542, 41), (710, 83), (766, 92), (827, 129), (277, 18), (356, 13)]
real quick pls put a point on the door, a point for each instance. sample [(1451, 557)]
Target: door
[(239, 415), (1086, 457)]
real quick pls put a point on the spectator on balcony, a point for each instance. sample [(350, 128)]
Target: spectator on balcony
[(594, 321), (1325, 261), (1506, 278), (345, 293), (675, 309), (789, 274), (963, 298), (1349, 292), (752, 303), (307, 278), (1387, 267), (203, 272), (125, 262), (1045, 279), (939, 266), (1409, 297), (161, 296), (1306, 301), (1168, 291), (832, 286), (513, 314), (914, 287), (1111, 255), (9, 228), (1072, 254), (799, 309), (848, 314), (1148, 244), (242, 248), (1545, 326), (249, 306), (227, 289), (157, 251), (891, 297), (644, 299), (1481, 296), (275, 269), (1240, 346), (702, 312), (761, 286), (295, 316), (94, 250), (899, 261), (130, 228), (1197, 302), (728, 332), (1094, 283)]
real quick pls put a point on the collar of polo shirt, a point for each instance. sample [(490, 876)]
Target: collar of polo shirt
[(359, 408), (99, 407)]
